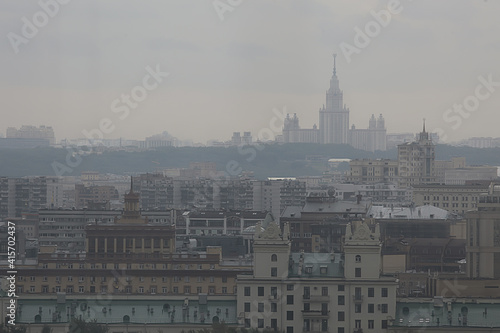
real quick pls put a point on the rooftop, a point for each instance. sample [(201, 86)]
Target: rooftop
[(444, 312), (316, 265), (106, 310)]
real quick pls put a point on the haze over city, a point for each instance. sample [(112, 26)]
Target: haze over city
[(229, 68)]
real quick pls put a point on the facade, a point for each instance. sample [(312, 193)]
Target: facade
[(368, 171), (22, 195), (456, 199), (292, 133), (441, 167), (218, 222), (462, 175), (65, 228), (85, 195), (321, 292), (416, 161), (275, 195), (371, 139), (483, 236)]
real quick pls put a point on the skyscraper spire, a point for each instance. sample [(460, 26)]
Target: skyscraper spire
[(424, 126), (334, 65)]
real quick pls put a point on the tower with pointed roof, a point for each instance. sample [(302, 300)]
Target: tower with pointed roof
[(334, 117), (416, 161)]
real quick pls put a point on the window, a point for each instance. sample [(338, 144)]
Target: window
[(289, 315), (274, 271), (357, 323), (224, 290), (274, 324), (371, 308), (324, 325), (289, 299), (371, 324), (260, 323), (289, 329), (260, 291), (247, 307), (384, 308), (341, 316), (307, 307), (247, 291), (358, 258), (384, 323), (224, 279), (341, 300), (357, 272), (324, 291), (199, 290), (274, 257), (384, 292), (340, 330), (289, 287), (187, 290), (260, 307), (274, 307), (357, 308), (307, 292), (371, 292), (247, 322), (340, 287), (81, 289)]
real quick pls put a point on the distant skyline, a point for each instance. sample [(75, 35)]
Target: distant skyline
[(75, 70)]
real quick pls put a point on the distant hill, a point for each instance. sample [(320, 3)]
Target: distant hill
[(265, 161)]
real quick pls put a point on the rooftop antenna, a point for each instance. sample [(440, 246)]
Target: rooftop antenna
[(424, 125)]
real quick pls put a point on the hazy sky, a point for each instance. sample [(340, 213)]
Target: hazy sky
[(228, 75)]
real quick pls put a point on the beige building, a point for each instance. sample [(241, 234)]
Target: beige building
[(453, 198), (373, 171), (416, 161), (317, 292), (483, 236)]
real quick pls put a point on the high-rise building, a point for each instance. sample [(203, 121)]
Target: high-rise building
[(416, 161), (334, 118)]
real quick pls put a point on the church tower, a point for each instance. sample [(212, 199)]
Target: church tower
[(334, 118)]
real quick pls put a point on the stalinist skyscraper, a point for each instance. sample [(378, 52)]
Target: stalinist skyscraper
[(334, 119)]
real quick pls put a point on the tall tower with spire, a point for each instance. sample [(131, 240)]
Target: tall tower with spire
[(416, 161), (334, 118)]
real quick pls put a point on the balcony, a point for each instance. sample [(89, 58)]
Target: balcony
[(316, 314), (357, 299), (319, 298)]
